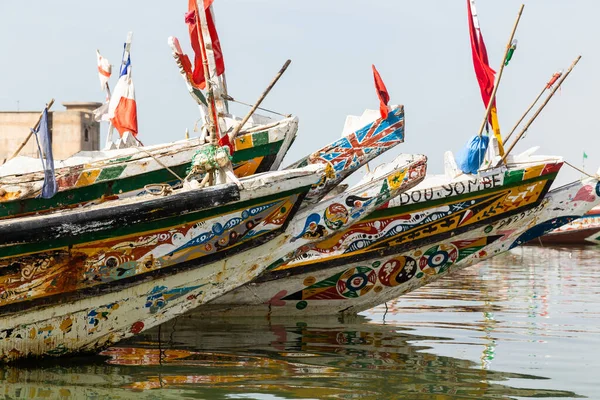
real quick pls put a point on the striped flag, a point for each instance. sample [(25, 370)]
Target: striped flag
[(486, 76), (122, 109)]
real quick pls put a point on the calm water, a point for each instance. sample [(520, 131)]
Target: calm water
[(523, 325)]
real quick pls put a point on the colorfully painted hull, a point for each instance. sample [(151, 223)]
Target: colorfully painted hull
[(373, 258), (85, 285), (90, 277), (127, 174), (580, 232)]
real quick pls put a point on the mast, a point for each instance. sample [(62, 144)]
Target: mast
[(215, 91)]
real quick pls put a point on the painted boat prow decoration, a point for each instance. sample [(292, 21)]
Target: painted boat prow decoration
[(369, 261), (89, 277), (95, 177), (363, 140)]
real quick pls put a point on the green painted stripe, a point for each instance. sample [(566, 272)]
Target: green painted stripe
[(113, 187), (400, 210), (140, 229)]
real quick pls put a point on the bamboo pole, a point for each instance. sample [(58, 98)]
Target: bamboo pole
[(560, 82), (499, 76), (35, 127), (237, 129)]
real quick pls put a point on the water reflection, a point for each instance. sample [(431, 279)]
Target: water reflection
[(452, 339)]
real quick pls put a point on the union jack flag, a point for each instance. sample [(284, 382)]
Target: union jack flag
[(360, 147)]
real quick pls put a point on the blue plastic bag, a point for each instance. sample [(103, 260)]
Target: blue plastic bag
[(470, 158)]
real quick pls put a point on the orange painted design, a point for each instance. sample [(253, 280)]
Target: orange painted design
[(533, 172), (88, 177), (243, 142), (248, 168)]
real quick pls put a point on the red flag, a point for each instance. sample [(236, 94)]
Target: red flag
[(195, 37), (485, 74), (382, 92)]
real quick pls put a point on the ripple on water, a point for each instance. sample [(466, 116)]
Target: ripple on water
[(522, 325)]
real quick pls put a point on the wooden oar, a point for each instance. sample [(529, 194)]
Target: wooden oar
[(237, 129), (546, 86), (499, 76), (540, 109), (35, 127)]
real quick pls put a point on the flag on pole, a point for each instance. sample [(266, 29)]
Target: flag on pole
[(486, 76), (191, 18), (585, 155), (122, 109), (44, 142), (384, 96), (104, 70), (511, 52)]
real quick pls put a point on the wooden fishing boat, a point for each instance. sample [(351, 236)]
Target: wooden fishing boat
[(581, 231), (82, 279), (367, 260), (94, 177)]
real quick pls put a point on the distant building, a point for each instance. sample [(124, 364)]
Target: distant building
[(72, 130)]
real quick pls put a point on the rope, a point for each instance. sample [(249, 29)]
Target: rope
[(229, 98), (157, 160), (163, 189), (580, 170)]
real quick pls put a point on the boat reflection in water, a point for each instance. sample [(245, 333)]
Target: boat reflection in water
[(450, 338), (321, 358)]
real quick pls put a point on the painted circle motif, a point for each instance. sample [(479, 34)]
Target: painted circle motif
[(598, 189), (397, 271), (356, 282), (438, 259), (336, 215), (301, 305)]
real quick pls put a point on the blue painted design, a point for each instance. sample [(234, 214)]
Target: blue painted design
[(160, 296), (542, 229), (217, 228), (598, 189), (312, 218)]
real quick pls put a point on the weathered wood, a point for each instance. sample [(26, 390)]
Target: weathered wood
[(238, 128), (35, 127), (138, 279), (127, 172)]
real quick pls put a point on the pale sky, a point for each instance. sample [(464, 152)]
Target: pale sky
[(421, 48)]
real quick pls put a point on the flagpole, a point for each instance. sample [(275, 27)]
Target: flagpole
[(499, 76), (560, 82), (239, 126), (35, 127)]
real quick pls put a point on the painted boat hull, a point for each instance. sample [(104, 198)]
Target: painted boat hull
[(127, 175), (107, 304), (382, 254), (57, 307), (580, 232)]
